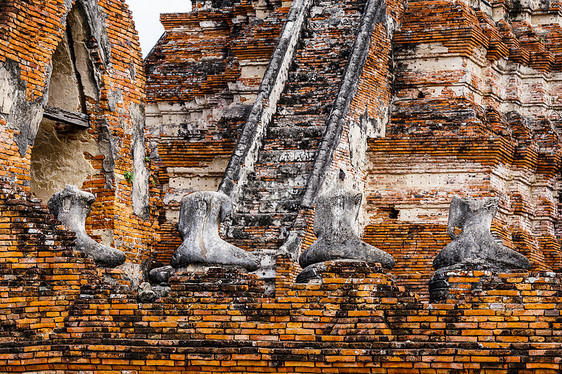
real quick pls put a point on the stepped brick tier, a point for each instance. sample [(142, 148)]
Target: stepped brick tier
[(268, 104), (355, 320), (476, 112)]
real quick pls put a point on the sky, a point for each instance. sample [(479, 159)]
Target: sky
[(146, 14)]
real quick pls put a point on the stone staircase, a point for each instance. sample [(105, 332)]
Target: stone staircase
[(270, 197)]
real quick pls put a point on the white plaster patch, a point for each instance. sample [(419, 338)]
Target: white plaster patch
[(252, 70), (8, 89)]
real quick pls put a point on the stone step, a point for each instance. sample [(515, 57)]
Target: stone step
[(261, 220), (284, 171), (273, 192), (276, 191), (291, 125), (289, 144), (282, 156), (271, 206)]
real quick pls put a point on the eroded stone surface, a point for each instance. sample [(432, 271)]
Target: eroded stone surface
[(161, 274), (200, 216), (72, 206), (146, 294), (58, 158), (335, 226), (475, 246)]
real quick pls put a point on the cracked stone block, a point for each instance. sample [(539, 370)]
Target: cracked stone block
[(72, 206), (335, 220), (200, 216)]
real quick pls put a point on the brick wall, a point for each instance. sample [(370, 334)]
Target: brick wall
[(41, 273), (472, 110), (31, 32), (474, 114), (356, 320), (194, 123)]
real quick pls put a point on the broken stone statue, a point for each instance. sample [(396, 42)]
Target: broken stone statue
[(161, 275), (72, 206), (146, 293), (475, 247), (200, 216), (335, 226)]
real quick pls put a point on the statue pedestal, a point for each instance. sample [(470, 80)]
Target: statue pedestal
[(357, 285), (326, 272), (462, 285), (228, 279)]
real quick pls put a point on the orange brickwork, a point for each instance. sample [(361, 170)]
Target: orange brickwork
[(413, 246), (41, 273), (355, 321), (463, 122), (31, 31), (202, 77), (453, 99)]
